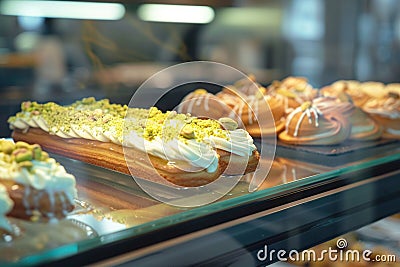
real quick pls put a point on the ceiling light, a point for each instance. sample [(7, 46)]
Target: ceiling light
[(176, 13), (63, 9)]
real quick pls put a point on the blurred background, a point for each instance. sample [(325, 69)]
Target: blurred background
[(60, 53)]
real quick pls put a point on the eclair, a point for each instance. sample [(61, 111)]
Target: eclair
[(184, 150)]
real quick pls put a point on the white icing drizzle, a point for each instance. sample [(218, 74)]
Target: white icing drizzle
[(252, 103), (195, 100), (312, 110)]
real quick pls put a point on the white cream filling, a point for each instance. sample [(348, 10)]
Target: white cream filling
[(6, 205), (195, 153)]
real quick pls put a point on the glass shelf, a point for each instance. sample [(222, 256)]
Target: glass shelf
[(112, 210)]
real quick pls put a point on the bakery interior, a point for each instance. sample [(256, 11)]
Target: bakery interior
[(353, 194)]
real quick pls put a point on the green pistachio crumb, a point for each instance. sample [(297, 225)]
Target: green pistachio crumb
[(188, 132), (22, 154)]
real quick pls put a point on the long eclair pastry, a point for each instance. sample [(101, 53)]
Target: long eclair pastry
[(184, 150)]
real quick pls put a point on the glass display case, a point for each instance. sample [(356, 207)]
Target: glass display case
[(299, 205), (311, 194)]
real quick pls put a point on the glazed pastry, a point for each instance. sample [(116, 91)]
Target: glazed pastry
[(363, 128), (393, 88), (245, 102), (293, 91), (38, 186), (248, 99), (184, 150), (373, 90), (337, 91), (386, 111), (201, 103), (248, 108), (307, 125), (343, 88)]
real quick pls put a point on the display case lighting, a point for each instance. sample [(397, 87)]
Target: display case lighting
[(176, 13), (63, 9)]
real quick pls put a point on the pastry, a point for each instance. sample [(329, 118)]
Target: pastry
[(201, 103), (245, 102), (293, 91), (184, 150), (363, 128), (343, 88), (373, 90), (248, 101), (250, 109), (393, 88), (307, 125), (37, 185), (386, 111)]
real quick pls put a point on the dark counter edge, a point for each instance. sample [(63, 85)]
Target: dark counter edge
[(297, 227)]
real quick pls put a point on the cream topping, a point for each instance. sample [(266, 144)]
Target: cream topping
[(43, 175), (151, 131), (6, 205), (28, 165)]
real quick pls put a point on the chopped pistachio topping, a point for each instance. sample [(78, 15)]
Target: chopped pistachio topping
[(115, 118), (187, 132), (306, 105), (21, 153), (286, 93), (228, 123)]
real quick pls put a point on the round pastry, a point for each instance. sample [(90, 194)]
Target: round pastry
[(386, 112), (38, 186), (307, 125), (293, 91), (201, 103), (248, 108), (349, 87), (373, 89), (245, 102), (363, 128), (393, 88), (337, 91), (182, 149)]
